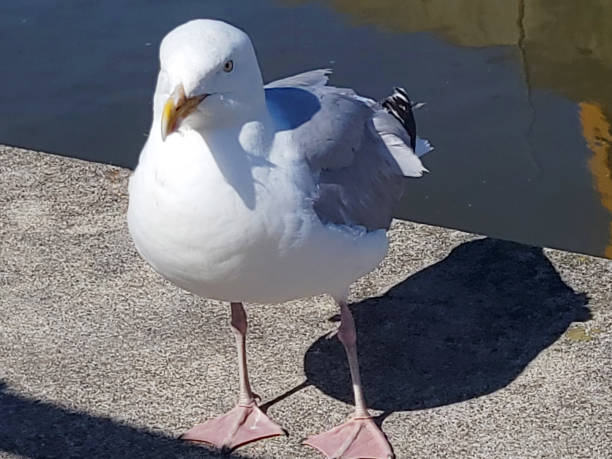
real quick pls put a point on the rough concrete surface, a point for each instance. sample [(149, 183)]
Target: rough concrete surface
[(469, 346)]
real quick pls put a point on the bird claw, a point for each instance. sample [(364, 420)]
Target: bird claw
[(357, 438), (243, 424)]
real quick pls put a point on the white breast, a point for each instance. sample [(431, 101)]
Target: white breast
[(241, 241)]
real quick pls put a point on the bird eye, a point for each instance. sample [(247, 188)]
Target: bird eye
[(228, 66)]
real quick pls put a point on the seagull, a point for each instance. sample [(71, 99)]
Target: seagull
[(264, 194)]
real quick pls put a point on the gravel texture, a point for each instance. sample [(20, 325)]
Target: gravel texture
[(469, 346)]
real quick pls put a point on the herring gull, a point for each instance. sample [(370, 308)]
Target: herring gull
[(263, 194)]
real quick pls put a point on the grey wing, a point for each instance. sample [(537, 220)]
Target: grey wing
[(365, 187), (357, 152), (311, 78)]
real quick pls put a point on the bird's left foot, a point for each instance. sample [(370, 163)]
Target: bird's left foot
[(355, 439)]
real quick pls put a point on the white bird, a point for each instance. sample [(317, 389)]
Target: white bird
[(253, 193)]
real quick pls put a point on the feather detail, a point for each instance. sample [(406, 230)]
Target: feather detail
[(399, 105)]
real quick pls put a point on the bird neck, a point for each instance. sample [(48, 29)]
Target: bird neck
[(249, 137), (249, 131)]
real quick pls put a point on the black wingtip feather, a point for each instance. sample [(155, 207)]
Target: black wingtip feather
[(399, 105)]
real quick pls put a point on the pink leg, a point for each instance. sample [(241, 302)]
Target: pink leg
[(359, 437), (245, 423)]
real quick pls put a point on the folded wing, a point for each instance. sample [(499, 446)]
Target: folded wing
[(357, 150)]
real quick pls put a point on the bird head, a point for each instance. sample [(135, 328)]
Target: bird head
[(209, 76)]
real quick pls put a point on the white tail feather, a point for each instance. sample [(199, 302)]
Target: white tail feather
[(408, 162), (422, 146)]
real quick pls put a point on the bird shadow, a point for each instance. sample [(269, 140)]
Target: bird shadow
[(459, 329), (37, 429)]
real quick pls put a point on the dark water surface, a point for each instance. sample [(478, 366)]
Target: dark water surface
[(519, 93)]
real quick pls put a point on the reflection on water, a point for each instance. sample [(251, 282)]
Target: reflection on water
[(596, 131), (564, 46), (466, 23), (518, 93)]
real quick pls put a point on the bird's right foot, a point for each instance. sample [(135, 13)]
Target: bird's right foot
[(245, 423)]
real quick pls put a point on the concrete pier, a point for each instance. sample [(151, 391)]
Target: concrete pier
[(469, 346)]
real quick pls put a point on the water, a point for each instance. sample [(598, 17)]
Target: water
[(519, 93)]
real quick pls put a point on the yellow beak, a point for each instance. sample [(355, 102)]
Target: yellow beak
[(177, 108)]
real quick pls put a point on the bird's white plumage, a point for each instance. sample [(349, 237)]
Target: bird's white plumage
[(224, 206)]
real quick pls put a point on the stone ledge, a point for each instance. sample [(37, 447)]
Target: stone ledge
[(469, 346)]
